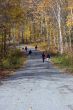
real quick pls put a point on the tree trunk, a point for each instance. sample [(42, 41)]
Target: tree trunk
[(60, 31)]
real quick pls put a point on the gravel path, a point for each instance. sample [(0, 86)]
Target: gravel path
[(38, 86)]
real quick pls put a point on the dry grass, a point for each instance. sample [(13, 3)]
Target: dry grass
[(65, 62)]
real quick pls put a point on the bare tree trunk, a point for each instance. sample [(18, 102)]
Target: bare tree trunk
[(70, 44), (60, 31), (47, 34), (5, 42), (70, 32)]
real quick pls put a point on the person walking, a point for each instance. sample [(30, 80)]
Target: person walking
[(48, 56), (26, 48), (30, 52), (43, 56), (36, 47)]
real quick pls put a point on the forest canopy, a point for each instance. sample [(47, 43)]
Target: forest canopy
[(30, 21)]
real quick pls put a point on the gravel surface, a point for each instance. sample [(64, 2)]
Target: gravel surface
[(38, 86)]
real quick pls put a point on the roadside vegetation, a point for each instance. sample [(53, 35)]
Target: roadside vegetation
[(65, 62), (12, 61)]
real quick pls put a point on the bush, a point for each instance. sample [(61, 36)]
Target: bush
[(5, 63), (65, 61), (14, 59)]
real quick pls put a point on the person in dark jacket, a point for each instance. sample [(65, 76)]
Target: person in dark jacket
[(26, 48), (43, 56), (30, 52), (48, 55), (36, 47)]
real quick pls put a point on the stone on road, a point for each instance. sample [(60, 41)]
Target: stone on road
[(38, 86)]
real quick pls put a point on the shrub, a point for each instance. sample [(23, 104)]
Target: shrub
[(5, 63), (65, 61), (14, 59)]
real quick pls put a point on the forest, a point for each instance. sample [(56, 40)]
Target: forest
[(46, 23)]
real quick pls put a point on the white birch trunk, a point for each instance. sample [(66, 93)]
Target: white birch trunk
[(57, 14), (47, 34), (60, 31), (41, 23)]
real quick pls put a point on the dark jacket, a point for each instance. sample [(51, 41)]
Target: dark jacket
[(48, 55), (43, 55)]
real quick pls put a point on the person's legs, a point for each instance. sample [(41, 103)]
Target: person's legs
[(43, 59)]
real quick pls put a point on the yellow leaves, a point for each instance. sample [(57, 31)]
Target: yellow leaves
[(70, 3), (69, 23), (27, 31), (13, 12), (43, 5), (69, 9), (40, 7)]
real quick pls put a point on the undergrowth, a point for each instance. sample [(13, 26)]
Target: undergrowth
[(64, 61)]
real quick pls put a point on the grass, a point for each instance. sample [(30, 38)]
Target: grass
[(14, 60), (64, 62)]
